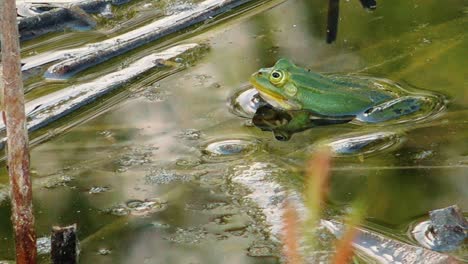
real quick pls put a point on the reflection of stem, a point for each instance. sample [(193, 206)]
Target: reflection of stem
[(370, 4), (332, 27), (406, 41), (111, 228)]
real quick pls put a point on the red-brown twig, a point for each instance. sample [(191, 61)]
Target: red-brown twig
[(291, 235), (318, 172), (344, 247), (316, 184), (17, 142)]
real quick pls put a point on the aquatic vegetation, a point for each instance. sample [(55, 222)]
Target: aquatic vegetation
[(221, 173)]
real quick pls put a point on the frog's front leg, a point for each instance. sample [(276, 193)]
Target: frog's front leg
[(392, 109)]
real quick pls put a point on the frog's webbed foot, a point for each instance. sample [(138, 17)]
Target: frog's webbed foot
[(393, 109)]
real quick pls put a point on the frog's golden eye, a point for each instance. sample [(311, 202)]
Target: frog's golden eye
[(277, 77)]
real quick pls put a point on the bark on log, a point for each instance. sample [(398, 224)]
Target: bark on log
[(51, 107), (17, 139), (99, 52)]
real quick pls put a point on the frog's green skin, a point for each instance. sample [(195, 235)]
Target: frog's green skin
[(289, 87)]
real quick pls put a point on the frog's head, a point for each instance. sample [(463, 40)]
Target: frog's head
[(276, 86)]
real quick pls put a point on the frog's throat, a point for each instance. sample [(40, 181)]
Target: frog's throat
[(274, 99)]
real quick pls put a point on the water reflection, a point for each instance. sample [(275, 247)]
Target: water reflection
[(405, 41), (360, 144), (284, 124)]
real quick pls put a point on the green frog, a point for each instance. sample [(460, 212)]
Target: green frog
[(369, 100)]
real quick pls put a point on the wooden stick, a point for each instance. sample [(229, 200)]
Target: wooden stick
[(65, 245), (17, 142)]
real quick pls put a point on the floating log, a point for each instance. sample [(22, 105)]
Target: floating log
[(102, 51), (63, 14), (51, 107), (50, 21)]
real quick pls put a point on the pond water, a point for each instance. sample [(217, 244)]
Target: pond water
[(146, 172)]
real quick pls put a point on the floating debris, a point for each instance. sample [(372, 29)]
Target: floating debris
[(446, 230), (155, 95), (107, 11), (104, 251), (162, 176), (386, 250), (146, 207), (139, 207), (106, 133), (44, 245), (187, 163), (423, 154), (261, 251), (98, 189), (118, 210), (225, 150), (136, 156), (58, 181), (160, 225), (190, 134), (191, 235)]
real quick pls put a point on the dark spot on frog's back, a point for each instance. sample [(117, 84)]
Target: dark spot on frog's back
[(397, 111)]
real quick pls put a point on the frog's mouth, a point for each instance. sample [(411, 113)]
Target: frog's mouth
[(274, 99)]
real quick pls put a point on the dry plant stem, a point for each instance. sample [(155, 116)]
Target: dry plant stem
[(318, 171), (344, 247), (316, 183), (17, 142), (291, 235)]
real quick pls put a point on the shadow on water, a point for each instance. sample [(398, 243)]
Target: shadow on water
[(174, 139)]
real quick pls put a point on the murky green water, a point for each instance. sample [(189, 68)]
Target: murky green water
[(147, 176)]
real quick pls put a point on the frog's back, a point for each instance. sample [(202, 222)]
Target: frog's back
[(338, 95)]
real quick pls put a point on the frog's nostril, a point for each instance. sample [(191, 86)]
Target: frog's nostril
[(260, 73)]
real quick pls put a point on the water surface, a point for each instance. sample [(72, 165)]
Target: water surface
[(175, 140)]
